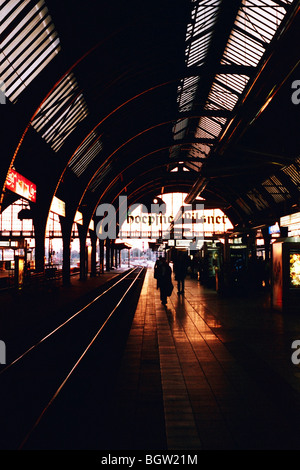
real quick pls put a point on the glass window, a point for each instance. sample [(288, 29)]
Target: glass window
[(28, 47), (61, 112), (85, 154)]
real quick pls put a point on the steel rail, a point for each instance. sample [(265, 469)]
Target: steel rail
[(15, 361), (78, 361)]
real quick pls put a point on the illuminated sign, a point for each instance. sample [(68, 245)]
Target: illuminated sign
[(58, 207), (288, 220), (207, 220), (78, 218), (21, 186), (277, 276), (183, 243), (9, 244), (274, 229), (295, 269), (293, 223)]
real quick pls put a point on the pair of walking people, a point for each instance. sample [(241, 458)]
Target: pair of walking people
[(163, 275)]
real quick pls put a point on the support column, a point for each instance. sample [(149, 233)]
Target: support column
[(112, 253), (39, 250), (101, 256), (66, 230), (40, 223), (108, 255), (66, 269), (83, 253), (93, 255), (267, 242)]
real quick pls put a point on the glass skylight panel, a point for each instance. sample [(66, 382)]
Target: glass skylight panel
[(99, 177), (198, 50), (234, 82), (208, 128), (206, 17), (293, 173), (243, 205), (258, 199), (198, 39), (203, 149), (83, 148), (242, 50), (57, 99), (174, 151), (9, 11), (80, 167), (276, 190), (26, 49), (199, 32), (261, 18), (66, 123), (222, 97), (180, 128), (85, 154), (188, 92), (255, 26), (61, 112), (279, 184)]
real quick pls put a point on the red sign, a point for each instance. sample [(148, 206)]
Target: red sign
[(21, 186)]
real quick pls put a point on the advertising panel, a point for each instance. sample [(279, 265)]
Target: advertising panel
[(21, 186), (277, 296), (294, 269), (58, 207), (78, 218)]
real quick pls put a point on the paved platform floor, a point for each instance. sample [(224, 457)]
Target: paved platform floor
[(207, 372)]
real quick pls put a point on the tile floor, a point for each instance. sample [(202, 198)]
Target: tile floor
[(207, 372)]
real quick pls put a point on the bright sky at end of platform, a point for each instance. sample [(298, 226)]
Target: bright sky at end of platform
[(174, 202)]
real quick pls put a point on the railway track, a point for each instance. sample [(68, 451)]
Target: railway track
[(44, 391)]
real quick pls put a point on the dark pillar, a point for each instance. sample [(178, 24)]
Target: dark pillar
[(108, 255), (40, 234), (226, 275), (101, 256), (39, 251), (83, 253), (267, 242), (115, 256), (66, 230), (66, 269), (93, 255), (112, 253)]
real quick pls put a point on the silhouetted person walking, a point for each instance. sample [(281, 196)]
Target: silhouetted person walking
[(180, 269), (156, 270), (164, 280)]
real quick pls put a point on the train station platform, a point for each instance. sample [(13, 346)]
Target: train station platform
[(204, 372), (207, 373)]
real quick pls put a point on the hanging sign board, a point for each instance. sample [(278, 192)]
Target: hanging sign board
[(78, 218), (58, 207), (20, 185)]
